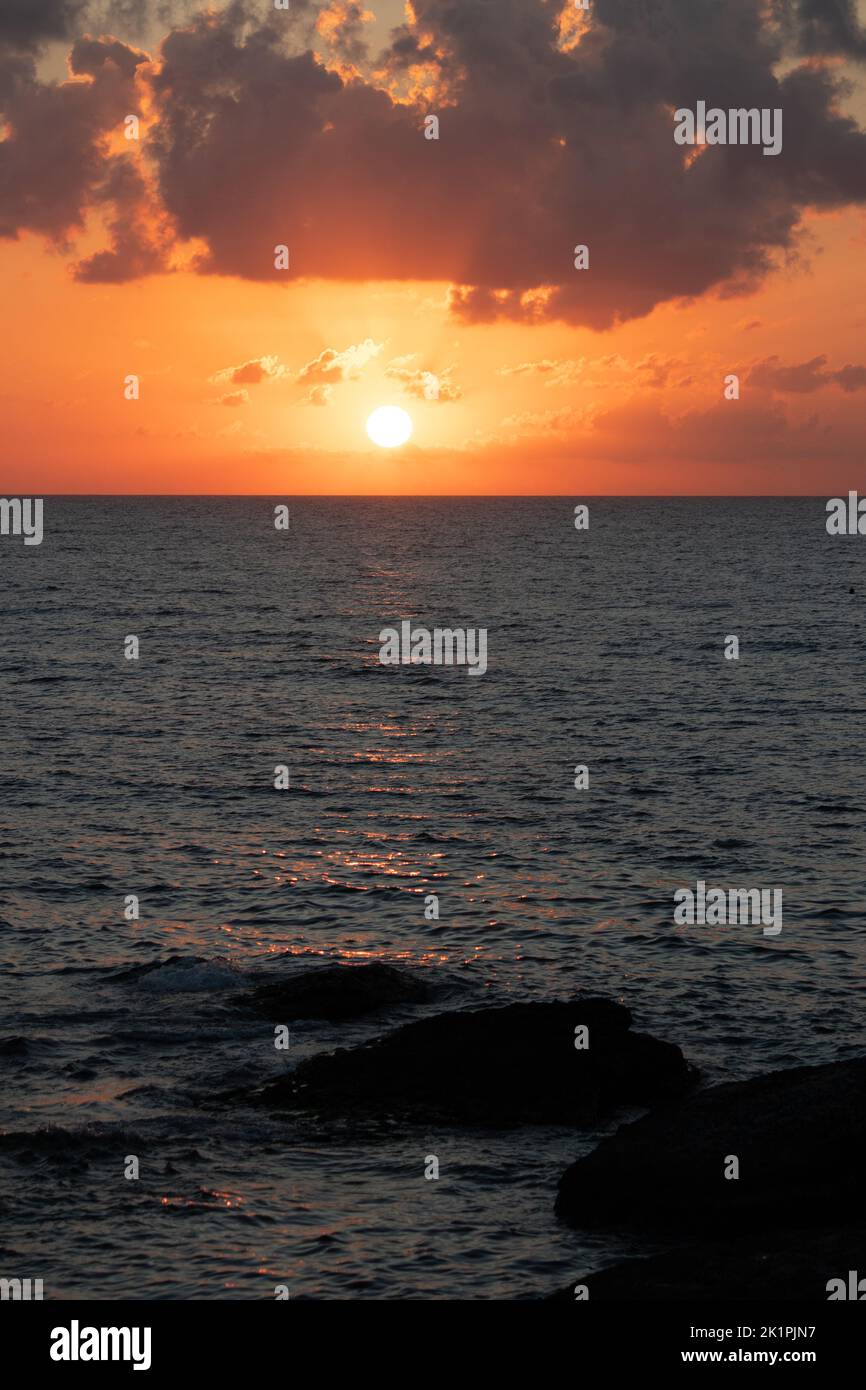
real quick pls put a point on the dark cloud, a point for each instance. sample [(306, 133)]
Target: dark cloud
[(804, 377), (542, 147), (136, 18), (53, 161), (851, 378), (90, 57), (828, 27), (544, 150), (30, 23), (16, 69), (140, 239)]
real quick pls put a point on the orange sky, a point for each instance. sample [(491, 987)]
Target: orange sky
[(524, 407)]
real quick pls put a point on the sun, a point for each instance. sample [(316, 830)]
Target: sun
[(389, 426)]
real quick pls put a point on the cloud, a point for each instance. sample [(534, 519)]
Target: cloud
[(53, 162), (640, 432), (850, 378), (91, 56), (655, 371), (426, 385), (341, 24), (331, 365), (541, 150), (252, 373), (543, 145), (805, 377), (652, 370), (319, 395), (556, 373), (539, 423), (133, 18), (141, 241), (30, 23), (827, 27), (235, 398)]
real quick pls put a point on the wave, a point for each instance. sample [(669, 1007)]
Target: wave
[(185, 974)]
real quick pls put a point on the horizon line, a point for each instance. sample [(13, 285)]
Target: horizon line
[(438, 496)]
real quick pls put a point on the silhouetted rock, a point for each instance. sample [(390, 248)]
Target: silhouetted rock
[(798, 1265), (512, 1065), (338, 991), (799, 1136)]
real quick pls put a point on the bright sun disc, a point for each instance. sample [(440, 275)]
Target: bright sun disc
[(389, 426)]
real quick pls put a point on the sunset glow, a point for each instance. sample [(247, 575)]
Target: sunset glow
[(376, 255)]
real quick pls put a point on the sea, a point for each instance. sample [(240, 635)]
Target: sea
[(154, 778)]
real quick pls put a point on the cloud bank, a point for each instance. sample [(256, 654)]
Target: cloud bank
[(547, 139)]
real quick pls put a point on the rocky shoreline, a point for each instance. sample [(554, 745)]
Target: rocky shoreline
[(752, 1183)]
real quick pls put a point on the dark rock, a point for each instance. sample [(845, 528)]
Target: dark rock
[(338, 991), (800, 1137), (798, 1265), (512, 1065)]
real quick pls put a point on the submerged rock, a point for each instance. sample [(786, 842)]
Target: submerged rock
[(513, 1065), (338, 991), (798, 1265), (799, 1138)]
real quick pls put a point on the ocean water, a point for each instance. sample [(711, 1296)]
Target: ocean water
[(258, 647)]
